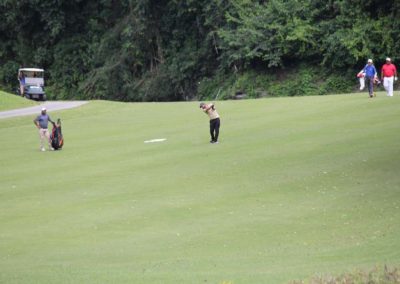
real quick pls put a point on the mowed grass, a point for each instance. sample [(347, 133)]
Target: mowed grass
[(296, 187), (9, 101)]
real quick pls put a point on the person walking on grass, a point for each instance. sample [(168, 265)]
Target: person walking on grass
[(42, 122), (388, 76), (215, 122), (370, 76)]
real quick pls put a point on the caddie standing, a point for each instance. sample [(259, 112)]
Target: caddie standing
[(370, 76), (388, 76), (42, 123), (215, 122)]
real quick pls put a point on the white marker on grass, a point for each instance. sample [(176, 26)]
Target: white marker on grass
[(155, 140)]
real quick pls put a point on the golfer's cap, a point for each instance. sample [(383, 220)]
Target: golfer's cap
[(202, 104), (43, 109), (369, 60), (388, 59)]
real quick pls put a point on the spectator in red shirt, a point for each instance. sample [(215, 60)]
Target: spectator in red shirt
[(388, 75)]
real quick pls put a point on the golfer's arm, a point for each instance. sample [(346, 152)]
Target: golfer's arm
[(209, 107)]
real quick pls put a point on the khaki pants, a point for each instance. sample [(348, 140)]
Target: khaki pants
[(44, 135)]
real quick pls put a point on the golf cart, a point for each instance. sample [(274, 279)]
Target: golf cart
[(31, 83)]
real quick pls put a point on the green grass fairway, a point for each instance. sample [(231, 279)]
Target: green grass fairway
[(296, 187), (9, 101)]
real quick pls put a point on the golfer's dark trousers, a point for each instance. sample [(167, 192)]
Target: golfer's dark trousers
[(370, 83), (214, 129)]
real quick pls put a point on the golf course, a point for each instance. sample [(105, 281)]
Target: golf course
[(296, 187)]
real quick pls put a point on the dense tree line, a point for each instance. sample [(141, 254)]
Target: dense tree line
[(161, 50)]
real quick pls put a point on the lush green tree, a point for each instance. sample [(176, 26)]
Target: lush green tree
[(272, 31), (159, 50)]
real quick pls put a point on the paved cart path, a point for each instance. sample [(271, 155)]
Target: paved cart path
[(50, 106)]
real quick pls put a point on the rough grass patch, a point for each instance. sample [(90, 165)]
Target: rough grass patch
[(377, 275)]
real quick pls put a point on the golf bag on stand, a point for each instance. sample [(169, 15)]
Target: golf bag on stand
[(56, 137)]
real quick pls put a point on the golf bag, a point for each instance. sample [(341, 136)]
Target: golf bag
[(56, 136), (361, 77)]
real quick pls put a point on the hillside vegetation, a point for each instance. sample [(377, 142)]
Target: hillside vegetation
[(297, 187), (147, 50)]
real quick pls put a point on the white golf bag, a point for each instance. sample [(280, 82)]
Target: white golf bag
[(361, 78)]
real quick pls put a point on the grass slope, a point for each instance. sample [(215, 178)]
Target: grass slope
[(9, 101), (297, 186)]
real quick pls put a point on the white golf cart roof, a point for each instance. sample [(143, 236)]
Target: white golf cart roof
[(31, 69)]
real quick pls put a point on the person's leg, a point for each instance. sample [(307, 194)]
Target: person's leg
[(390, 86), (370, 84), (386, 85), (212, 127), (217, 125), (42, 138), (47, 135)]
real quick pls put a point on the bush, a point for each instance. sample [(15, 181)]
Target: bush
[(158, 86), (300, 82), (252, 84), (8, 75), (338, 84), (218, 87), (297, 81)]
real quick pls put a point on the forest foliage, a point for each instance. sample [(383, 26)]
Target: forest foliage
[(171, 50)]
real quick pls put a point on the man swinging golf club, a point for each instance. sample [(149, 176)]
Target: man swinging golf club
[(42, 122), (215, 122)]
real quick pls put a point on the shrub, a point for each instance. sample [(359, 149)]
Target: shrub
[(296, 81), (8, 75)]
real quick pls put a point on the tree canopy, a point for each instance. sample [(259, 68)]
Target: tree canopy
[(159, 50)]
